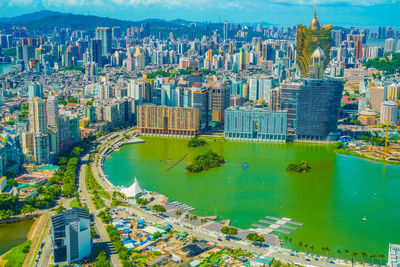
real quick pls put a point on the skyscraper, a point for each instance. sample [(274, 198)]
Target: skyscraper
[(104, 33), (52, 110), (95, 51), (226, 25), (308, 39), (35, 90), (37, 115)]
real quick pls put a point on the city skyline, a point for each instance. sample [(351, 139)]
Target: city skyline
[(277, 12)]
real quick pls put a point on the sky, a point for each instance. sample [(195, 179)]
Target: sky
[(278, 12)]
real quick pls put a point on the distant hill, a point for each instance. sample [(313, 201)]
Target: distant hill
[(30, 17)]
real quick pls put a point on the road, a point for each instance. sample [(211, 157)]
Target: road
[(104, 239)]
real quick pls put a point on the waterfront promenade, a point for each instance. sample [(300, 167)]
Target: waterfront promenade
[(278, 253)]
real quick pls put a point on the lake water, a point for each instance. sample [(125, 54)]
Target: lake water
[(331, 200), (13, 234)]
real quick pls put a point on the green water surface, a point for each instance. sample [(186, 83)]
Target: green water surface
[(331, 200), (13, 234)]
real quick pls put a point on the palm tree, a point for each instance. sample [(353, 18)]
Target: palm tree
[(301, 244), (327, 251), (178, 213), (312, 248), (363, 255), (323, 249), (187, 216), (372, 256), (346, 251), (381, 257), (354, 254), (305, 247), (339, 251)]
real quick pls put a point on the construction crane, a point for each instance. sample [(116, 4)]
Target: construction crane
[(387, 146)]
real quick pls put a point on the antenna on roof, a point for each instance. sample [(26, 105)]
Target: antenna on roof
[(315, 10)]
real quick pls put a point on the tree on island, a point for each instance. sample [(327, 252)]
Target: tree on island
[(159, 208), (196, 141), (299, 168), (205, 161), (226, 230)]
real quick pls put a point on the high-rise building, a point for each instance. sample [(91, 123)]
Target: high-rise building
[(96, 51), (104, 33), (390, 45), (313, 107), (52, 110), (376, 97), (255, 123), (389, 112), (70, 237), (35, 90), (225, 31), (307, 41), (393, 92), (219, 101), (161, 120), (41, 148), (37, 115)]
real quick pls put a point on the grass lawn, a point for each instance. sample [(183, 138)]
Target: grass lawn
[(16, 256), (74, 203)]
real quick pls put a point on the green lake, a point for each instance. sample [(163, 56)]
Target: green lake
[(331, 200), (13, 234)]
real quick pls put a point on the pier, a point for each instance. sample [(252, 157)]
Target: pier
[(275, 224), (176, 163)]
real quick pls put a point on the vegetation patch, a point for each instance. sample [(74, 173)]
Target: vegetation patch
[(205, 161), (299, 168), (196, 141), (16, 256)]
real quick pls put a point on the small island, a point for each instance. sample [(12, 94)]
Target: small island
[(299, 168), (196, 141), (205, 161)]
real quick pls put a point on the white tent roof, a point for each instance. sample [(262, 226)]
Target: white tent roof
[(133, 190)]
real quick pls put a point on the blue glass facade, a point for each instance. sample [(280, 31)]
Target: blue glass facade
[(247, 123)]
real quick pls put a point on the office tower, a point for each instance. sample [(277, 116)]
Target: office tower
[(248, 123), (37, 115), (28, 52), (219, 101), (200, 100), (145, 29), (390, 45), (308, 39), (71, 235), (376, 97), (389, 112), (225, 31), (52, 110), (104, 34), (336, 38), (54, 141), (19, 52), (317, 64), (96, 51), (41, 148), (160, 120), (313, 108)]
